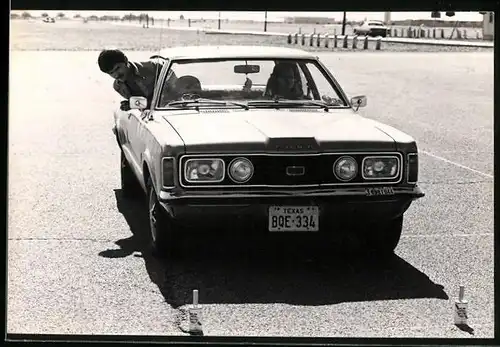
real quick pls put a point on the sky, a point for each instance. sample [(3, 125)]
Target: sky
[(273, 16)]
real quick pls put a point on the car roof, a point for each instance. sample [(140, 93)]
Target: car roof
[(234, 51)]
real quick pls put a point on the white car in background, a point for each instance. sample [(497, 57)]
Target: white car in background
[(372, 28)]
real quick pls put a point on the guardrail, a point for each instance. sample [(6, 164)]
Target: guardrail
[(335, 41)]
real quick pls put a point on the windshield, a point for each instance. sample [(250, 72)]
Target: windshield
[(253, 82), (376, 24)]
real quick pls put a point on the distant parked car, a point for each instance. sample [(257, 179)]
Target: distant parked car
[(263, 136), (372, 28), (49, 20)]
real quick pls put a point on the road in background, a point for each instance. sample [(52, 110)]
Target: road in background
[(75, 259)]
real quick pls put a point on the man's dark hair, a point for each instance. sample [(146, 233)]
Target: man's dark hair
[(109, 58)]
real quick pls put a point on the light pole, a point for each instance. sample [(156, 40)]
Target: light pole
[(343, 24), (265, 21), (219, 20)]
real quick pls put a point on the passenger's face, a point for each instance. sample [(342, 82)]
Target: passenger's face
[(120, 72), (287, 79)]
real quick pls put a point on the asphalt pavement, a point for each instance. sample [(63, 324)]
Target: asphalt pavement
[(75, 246)]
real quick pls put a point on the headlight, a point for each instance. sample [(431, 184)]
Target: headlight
[(240, 170), (204, 170), (380, 167), (345, 168)]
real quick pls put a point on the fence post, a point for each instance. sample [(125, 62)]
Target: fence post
[(365, 43), (355, 42), (327, 39), (465, 34), (335, 40), (379, 40), (303, 39), (318, 40), (434, 33), (442, 33), (477, 35), (289, 39), (344, 45), (168, 22), (459, 35), (296, 38), (189, 22), (311, 39)]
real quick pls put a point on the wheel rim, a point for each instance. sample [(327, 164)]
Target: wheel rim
[(152, 214)]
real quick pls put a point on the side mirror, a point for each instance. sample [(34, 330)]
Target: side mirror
[(138, 102), (359, 101)]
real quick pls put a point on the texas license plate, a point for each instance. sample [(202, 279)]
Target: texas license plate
[(293, 218)]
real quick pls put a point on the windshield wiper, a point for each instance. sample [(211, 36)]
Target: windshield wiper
[(286, 102), (206, 101)]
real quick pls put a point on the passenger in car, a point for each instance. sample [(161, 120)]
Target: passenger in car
[(183, 85), (285, 82)]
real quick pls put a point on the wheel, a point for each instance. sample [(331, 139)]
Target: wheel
[(162, 229), (130, 186)]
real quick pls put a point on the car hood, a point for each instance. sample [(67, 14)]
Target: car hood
[(270, 130)]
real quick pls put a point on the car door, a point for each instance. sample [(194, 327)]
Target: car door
[(137, 137), (130, 124), (138, 125)]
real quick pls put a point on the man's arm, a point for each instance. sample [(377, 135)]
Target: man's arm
[(121, 89)]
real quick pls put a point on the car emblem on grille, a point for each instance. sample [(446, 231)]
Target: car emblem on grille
[(295, 170)]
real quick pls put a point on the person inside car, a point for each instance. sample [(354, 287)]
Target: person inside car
[(131, 78), (284, 82), (187, 85)]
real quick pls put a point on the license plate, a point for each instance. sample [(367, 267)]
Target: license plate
[(293, 218)]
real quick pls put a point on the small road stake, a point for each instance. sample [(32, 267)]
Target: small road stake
[(195, 326), (461, 313)]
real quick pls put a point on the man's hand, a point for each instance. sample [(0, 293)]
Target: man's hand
[(125, 105)]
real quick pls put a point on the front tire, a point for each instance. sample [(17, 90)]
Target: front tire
[(162, 230)]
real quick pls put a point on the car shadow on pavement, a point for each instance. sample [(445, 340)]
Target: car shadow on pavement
[(225, 272)]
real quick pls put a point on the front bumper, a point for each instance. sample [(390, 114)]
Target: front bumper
[(349, 204)]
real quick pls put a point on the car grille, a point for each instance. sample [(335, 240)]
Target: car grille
[(271, 170)]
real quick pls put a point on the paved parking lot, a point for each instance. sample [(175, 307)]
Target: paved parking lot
[(75, 261)]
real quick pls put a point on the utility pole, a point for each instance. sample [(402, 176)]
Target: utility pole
[(265, 22), (343, 24), (219, 20)]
